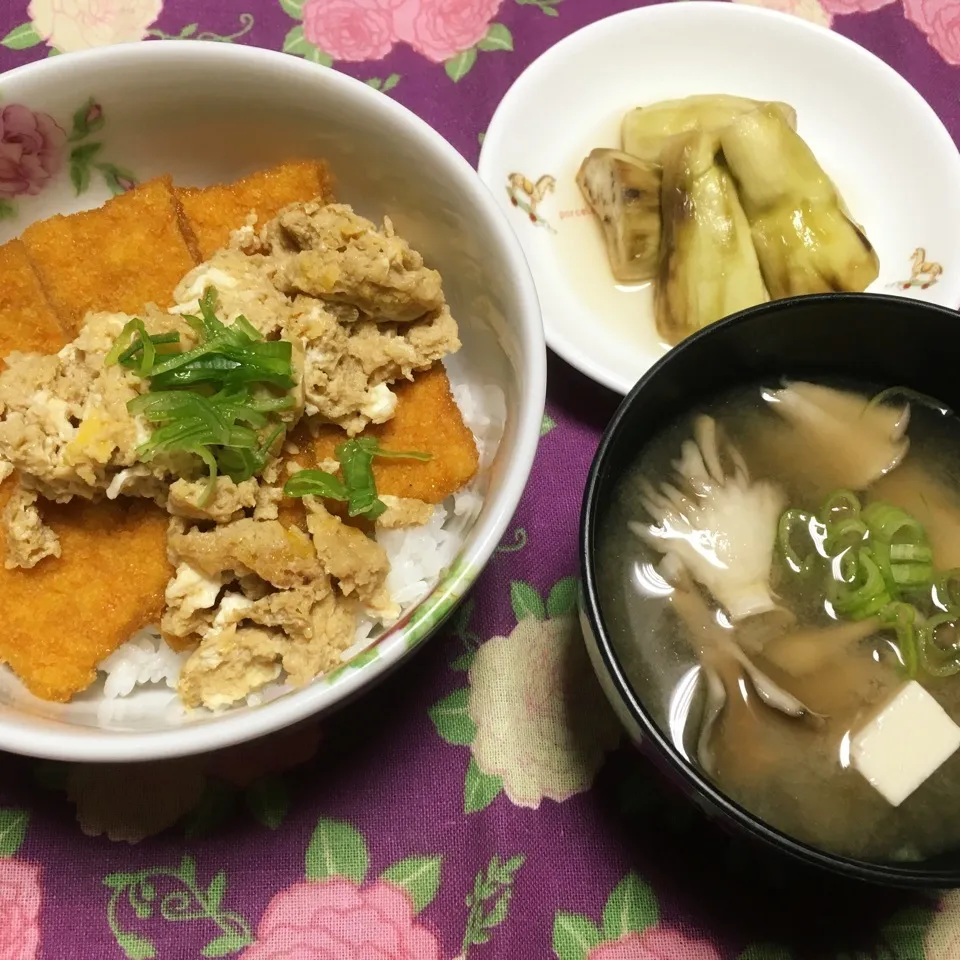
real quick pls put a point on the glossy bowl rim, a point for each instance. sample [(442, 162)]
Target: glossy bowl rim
[(695, 784), (20, 732)]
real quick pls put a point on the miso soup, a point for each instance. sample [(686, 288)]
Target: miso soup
[(780, 574)]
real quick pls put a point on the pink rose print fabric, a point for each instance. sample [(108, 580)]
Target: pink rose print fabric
[(350, 30), (336, 920), (842, 8), (31, 151), (439, 29), (20, 900), (940, 21), (657, 943), (357, 30)]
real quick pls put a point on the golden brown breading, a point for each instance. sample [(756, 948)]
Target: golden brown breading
[(65, 615), (94, 261), (427, 420), (118, 257), (213, 212), (27, 320)]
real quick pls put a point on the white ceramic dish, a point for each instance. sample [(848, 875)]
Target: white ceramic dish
[(208, 112), (892, 159)]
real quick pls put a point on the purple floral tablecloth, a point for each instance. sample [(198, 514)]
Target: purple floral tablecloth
[(481, 803)]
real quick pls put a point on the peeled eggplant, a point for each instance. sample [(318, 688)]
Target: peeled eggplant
[(805, 241), (624, 193), (646, 130), (708, 268)]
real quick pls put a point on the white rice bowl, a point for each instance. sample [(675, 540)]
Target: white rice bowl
[(242, 109)]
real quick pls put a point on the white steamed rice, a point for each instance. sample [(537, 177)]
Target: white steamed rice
[(418, 557), (144, 659)]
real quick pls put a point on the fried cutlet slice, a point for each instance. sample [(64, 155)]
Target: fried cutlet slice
[(119, 257), (213, 212), (61, 618), (27, 320), (427, 420)]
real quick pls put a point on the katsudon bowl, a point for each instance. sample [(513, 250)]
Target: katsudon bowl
[(205, 113), (642, 652)]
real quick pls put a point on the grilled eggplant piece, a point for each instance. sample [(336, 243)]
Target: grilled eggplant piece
[(624, 193), (646, 130), (708, 268), (805, 240)]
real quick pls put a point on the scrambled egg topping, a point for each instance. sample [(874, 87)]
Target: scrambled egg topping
[(254, 592)]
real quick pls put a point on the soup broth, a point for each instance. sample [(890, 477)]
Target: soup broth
[(768, 683)]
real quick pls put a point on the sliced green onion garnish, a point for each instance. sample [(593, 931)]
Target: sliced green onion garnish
[(247, 328), (356, 464), (881, 564), (903, 617), (215, 400), (790, 522), (912, 576), (844, 533), (865, 593), (358, 486), (910, 551), (936, 660), (148, 349), (133, 339), (886, 522), (947, 587), (123, 341), (271, 404), (315, 483), (843, 502), (372, 445), (207, 457)]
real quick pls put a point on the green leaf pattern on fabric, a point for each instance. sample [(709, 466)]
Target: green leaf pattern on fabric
[(459, 66), (479, 789), (452, 719), (22, 37), (630, 908), (498, 37), (574, 936), (562, 599), (526, 602), (489, 900), (297, 44), (337, 849), (418, 876), (173, 894), (13, 830)]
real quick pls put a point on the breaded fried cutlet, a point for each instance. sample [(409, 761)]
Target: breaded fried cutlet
[(212, 213), (62, 618), (66, 614), (119, 257), (27, 320), (427, 420)]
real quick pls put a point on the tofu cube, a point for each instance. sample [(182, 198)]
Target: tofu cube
[(910, 738)]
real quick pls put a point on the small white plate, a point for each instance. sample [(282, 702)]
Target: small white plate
[(889, 154)]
